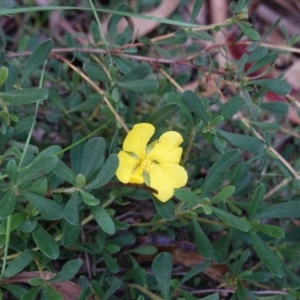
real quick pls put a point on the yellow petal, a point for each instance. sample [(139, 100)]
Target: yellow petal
[(170, 140), (165, 177), (137, 176), (137, 139), (126, 166), (164, 156), (166, 149)]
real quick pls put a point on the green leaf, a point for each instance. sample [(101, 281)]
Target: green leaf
[(50, 293), (80, 181), (70, 234), (40, 186), (116, 285), (15, 221), (266, 126), (95, 72), (68, 271), (225, 193), (173, 98), (222, 165), (237, 267), (268, 258), (272, 28), (203, 243), (221, 247), (37, 58), (279, 87), (71, 213), (12, 170), (242, 5), (92, 152), (144, 250), (257, 54), (114, 20), (195, 271), (76, 154), (231, 107), (45, 242), (64, 172), (103, 219), (137, 72), (25, 96), (88, 198), (270, 230), (219, 143), (3, 75), (163, 113), (249, 32), (276, 107), (201, 35), (241, 291), (7, 204), (241, 65), (231, 219), (165, 209), (38, 168), (289, 209), (214, 296), (162, 266), (49, 209), (244, 142), (194, 103), (139, 86), (111, 263), (268, 59), (18, 264), (256, 199), (187, 196), (196, 8), (32, 293), (106, 173), (27, 226)]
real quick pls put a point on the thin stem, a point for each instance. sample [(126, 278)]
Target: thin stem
[(98, 90), (7, 238), (145, 291), (82, 140), (100, 30), (8, 224), (244, 121), (189, 147), (204, 291), (283, 183)]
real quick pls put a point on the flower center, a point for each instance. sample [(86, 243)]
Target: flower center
[(146, 164)]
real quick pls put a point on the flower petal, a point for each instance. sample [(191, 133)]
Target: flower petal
[(127, 164), (165, 177), (137, 139), (170, 140), (163, 156), (166, 149), (137, 176)]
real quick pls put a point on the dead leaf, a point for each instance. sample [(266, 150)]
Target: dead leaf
[(67, 289)]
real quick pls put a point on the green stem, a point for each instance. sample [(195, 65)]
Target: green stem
[(101, 30), (81, 140), (7, 237), (189, 147)]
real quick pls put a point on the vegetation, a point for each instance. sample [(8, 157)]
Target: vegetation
[(71, 229)]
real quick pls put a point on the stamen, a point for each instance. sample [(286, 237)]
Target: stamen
[(146, 164)]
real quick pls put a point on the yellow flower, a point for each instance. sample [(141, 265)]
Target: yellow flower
[(156, 165)]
